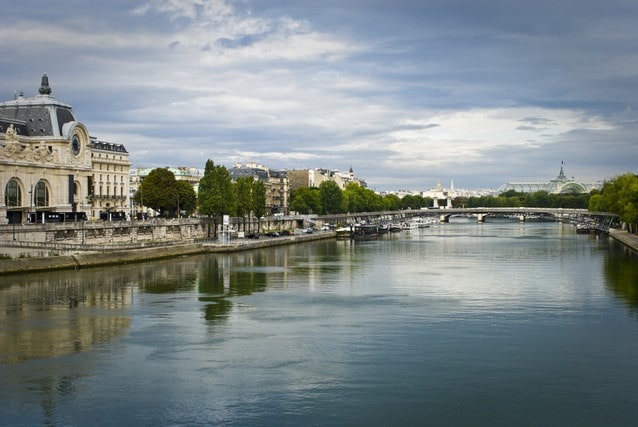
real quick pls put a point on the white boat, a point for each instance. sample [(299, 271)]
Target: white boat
[(417, 223)]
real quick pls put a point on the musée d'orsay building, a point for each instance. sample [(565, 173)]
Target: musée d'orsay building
[(51, 169)]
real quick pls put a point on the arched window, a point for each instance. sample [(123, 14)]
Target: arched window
[(41, 194), (12, 194)]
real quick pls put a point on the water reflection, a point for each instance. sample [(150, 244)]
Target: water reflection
[(53, 314), (622, 276), (421, 323), (243, 273)]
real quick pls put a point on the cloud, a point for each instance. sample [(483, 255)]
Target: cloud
[(404, 92)]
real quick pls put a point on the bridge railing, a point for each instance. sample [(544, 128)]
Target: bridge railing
[(562, 213)]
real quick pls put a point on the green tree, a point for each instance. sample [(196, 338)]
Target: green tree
[(360, 199), (244, 191), (186, 198), (620, 196), (596, 203), (306, 200), (539, 199), (259, 201), (331, 197), (158, 190), (391, 202), (413, 201), (216, 193)]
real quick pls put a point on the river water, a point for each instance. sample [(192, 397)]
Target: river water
[(502, 323)]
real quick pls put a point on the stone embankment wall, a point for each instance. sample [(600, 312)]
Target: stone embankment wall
[(113, 255), (55, 239)]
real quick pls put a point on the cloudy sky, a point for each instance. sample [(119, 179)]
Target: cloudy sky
[(407, 93)]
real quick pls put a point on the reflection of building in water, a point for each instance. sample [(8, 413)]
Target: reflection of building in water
[(57, 317)]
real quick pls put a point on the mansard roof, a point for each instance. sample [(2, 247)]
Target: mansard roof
[(39, 116), (107, 146)]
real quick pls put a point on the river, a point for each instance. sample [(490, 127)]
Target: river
[(501, 323)]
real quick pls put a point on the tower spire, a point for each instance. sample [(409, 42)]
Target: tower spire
[(45, 89)]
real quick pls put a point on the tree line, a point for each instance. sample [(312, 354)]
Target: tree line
[(619, 196), (328, 198), (217, 195)]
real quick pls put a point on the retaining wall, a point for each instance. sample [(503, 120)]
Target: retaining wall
[(141, 254)]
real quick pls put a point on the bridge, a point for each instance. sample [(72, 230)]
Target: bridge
[(600, 221)]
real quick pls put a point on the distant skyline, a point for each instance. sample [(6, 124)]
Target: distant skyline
[(406, 93)]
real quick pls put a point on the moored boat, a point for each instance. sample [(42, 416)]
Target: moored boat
[(365, 232)]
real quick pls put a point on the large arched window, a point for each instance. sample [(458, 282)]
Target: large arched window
[(41, 194), (12, 194)]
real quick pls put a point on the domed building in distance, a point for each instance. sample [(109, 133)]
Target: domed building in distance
[(559, 185), (51, 169)]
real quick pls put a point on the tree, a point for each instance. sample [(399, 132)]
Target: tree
[(158, 191), (619, 196), (360, 199), (186, 198), (306, 200), (415, 202), (330, 196), (259, 201), (216, 193), (391, 202), (244, 191)]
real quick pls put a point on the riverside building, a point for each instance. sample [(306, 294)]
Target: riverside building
[(51, 170)]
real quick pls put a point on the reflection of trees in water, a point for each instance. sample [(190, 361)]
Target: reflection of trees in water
[(222, 277), (51, 388), (621, 271), (168, 276)]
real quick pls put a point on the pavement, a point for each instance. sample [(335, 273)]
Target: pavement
[(623, 236)]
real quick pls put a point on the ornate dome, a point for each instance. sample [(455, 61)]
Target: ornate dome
[(39, 116)]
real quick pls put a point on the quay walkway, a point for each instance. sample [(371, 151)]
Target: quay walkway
[(628, 239), (112, 256)]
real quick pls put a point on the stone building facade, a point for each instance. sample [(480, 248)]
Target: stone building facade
[(109, 195), (314, 177), (50, 167)]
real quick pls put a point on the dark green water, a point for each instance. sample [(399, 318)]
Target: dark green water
[(462, 324)]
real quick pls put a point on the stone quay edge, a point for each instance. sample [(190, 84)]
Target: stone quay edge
[(623, 236), (88, 259)]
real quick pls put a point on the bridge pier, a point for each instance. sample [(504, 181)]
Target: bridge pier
[(480, 217), (521, 218), (444, 218)]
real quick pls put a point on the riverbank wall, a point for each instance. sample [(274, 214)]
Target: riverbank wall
[(114, 256), (623, 236)]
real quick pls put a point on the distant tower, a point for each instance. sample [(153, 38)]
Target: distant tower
[(450, 194)]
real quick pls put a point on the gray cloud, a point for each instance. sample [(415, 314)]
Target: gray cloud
[(407, 93)]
